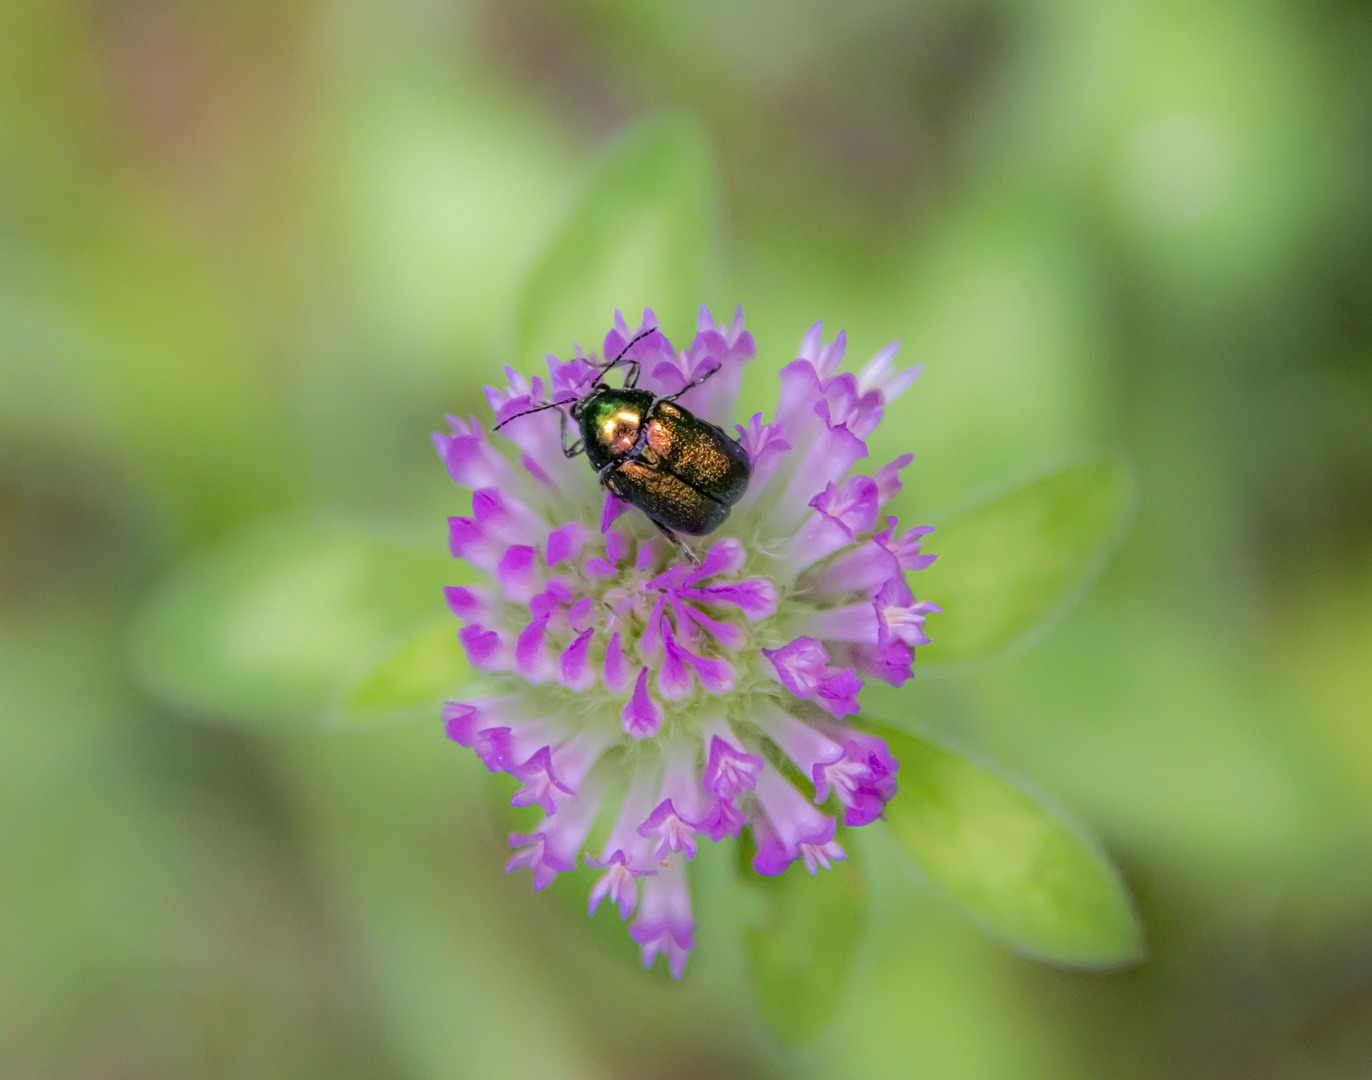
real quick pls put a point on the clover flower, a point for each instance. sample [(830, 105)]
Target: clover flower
[(644, 703)]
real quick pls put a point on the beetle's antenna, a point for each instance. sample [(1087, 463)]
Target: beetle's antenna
[(538, 408), (634, 341), (596, 382)]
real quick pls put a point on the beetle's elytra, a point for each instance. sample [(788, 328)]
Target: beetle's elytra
[(678, 469), (683, 472)]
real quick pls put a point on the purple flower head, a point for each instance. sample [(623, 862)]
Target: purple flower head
[(611, 658)]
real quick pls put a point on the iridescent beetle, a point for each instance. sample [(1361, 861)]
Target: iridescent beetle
[(683, 472)]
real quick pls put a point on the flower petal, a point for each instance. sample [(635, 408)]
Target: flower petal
[(641, 716)]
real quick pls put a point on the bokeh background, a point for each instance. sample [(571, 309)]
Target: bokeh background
[(251, 251)]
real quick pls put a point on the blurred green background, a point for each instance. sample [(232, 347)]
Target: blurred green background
[(249, 254)]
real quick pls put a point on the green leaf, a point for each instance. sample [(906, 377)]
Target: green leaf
[(424, 669), (1022, 871), (1009, 565), (277, 622), (799, 958), (643, 234)]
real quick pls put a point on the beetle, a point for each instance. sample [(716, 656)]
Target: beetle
[(683, 472)]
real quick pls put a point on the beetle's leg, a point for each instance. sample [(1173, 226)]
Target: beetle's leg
[(605, 367), (672, 537), (576, 447), (693, 383), (631, 378)]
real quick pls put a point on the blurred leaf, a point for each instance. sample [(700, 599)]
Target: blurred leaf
[(446, 959), (131, 349), (274, 623), (423, 670), (446, 193), (131, 869), (1011, 564), (1144, 719), (1004, 309), (1020, 870), (644, 234), (799, 958)]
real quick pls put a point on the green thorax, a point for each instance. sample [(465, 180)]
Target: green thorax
[(611, 421)]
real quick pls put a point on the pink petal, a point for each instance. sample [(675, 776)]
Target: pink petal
[(641, 716)]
